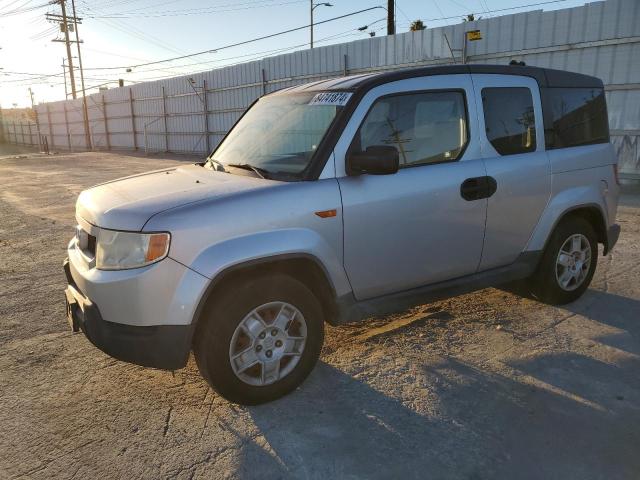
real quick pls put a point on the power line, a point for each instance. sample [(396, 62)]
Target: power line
[(501, 9), (402, 12), (14, 2), (43, 34), (170, 69), (350, 32), (37, 78), (42, 76), (132, 31), (254, 55), (23, 9), (210, 10), (245, 42)]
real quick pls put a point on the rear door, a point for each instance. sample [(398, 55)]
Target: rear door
[(512, 145), (413, 227)]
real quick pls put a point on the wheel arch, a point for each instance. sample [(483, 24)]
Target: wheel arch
[(585, 200), (593, 214), (302, 266)]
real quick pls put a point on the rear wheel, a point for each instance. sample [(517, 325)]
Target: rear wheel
[(259, 338), (568, 263)]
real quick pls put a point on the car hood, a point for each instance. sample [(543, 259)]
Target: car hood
[(128, 203)]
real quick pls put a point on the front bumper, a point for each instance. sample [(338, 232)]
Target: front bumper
[(612, 237), (159, 346)]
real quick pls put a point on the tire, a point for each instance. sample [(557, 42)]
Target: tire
[(273, 301), (546, 284)]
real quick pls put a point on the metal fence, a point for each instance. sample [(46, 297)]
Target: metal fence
[(19, 132), (190, 114)]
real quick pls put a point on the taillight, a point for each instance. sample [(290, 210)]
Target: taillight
[(615, 173)]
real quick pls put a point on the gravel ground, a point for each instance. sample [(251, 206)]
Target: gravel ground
[(486, 385)]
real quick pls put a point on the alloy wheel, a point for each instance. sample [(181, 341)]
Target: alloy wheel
[(268, 343), (573, 262)]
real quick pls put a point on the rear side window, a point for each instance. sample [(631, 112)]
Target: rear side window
[(575, 116), (509, 119), (429, 127)]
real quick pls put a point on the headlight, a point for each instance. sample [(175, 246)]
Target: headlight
[(121, 250)]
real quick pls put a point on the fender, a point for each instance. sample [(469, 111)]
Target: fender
[(263, 246), (562, 203)]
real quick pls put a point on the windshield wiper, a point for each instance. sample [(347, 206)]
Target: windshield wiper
[(261, 172), (217, 163)]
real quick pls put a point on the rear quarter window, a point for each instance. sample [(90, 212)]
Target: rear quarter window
[(575, 116), (509, 119)]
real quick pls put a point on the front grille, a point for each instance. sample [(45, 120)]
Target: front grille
[(85, 242), (91, 245)]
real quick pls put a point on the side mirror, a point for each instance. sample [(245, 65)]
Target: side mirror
[(375, 160)]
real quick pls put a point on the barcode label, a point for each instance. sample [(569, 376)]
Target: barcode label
[(339, 99)]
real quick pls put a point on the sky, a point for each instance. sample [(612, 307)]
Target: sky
[(120, 33)]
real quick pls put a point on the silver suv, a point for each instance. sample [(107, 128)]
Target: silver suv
[(340, 200)]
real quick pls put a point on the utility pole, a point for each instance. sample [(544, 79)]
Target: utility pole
[(312, 7), (33, 107), (391, 20), (65, 27), (64, 74), (84, 96), (311, 23), (70, 23)]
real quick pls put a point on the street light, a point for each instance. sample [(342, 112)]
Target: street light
[(313, 7)]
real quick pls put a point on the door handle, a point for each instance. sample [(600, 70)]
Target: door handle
[(476, 188)]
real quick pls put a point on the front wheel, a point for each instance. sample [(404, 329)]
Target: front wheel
[(259, 338), (568, 263)]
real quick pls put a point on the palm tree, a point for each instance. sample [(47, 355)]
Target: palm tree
[(417, 25)]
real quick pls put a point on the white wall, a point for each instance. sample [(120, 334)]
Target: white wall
[(601, 39)]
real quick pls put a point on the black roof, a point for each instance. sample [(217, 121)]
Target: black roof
[(545, 77)]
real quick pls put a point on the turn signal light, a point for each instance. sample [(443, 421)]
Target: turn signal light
[(327, 213), (158, 243)]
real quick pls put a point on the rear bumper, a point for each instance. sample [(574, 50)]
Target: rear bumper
[(612, 237), (161, 346)]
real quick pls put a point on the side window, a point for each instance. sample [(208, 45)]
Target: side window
[(509, 119), (576, 116), (424, 127)]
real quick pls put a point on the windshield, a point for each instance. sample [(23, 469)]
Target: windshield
[(280, 133)]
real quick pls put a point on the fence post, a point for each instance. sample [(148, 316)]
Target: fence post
[(15, 133), (133, 121), (264, 82), (1, 126), (66, 123), (30, 134), (164, 114), (24, 142), (85, 116), (53, 143), (206, 116), (106, 124), (38, 128), (345, 70)]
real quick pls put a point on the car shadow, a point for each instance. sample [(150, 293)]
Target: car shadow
[(337, 426), (612, 310), (474, 424)]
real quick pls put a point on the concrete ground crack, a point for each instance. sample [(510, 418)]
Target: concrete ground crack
[(167, 422), (206, 421)]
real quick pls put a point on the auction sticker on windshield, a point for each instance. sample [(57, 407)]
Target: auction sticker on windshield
[(339, 99)]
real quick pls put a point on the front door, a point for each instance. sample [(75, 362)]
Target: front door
[(414, 227)]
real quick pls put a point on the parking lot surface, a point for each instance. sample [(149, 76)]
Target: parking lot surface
[(486, 385)]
